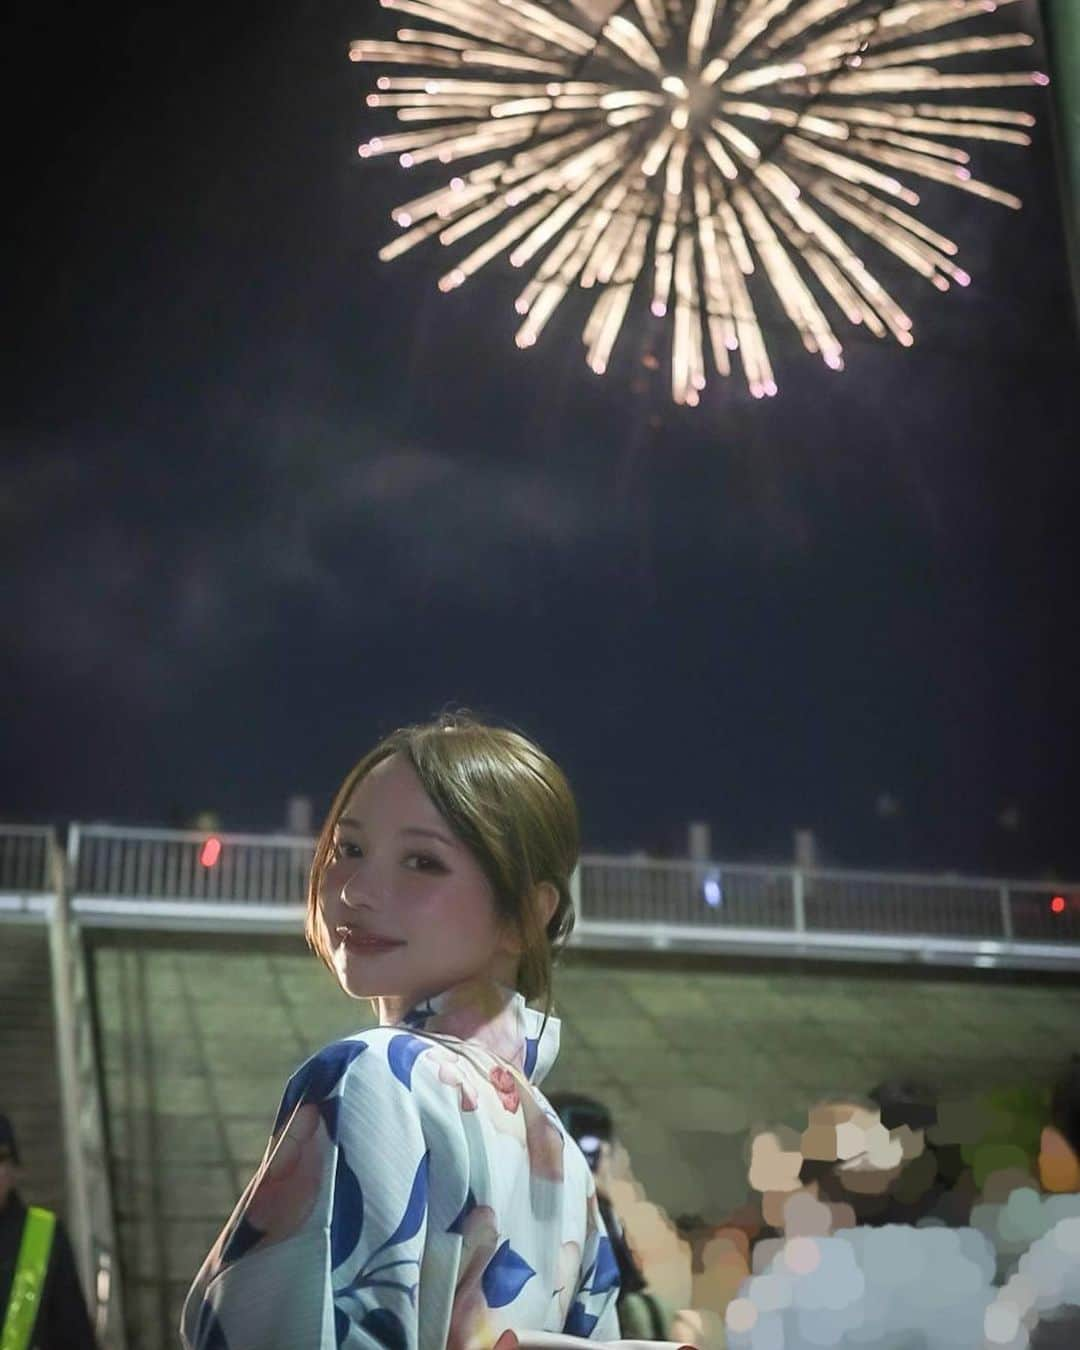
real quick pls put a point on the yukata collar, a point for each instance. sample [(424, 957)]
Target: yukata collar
[(495, 1017)]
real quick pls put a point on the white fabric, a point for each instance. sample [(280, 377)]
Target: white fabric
[(418, 1192)]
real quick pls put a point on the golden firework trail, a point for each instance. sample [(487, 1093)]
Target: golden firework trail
[(694, 151)]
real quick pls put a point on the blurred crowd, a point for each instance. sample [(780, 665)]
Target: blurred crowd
[(904, 1218)]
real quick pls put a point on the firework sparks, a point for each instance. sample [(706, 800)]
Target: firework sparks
[(693, 152)]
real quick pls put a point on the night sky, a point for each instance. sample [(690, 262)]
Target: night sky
[(266, 498)]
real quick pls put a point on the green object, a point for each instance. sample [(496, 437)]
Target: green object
[(29, 1281), (642, 1317), (1009, 1137)]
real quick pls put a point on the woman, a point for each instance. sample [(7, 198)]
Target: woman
[(417, 1190)]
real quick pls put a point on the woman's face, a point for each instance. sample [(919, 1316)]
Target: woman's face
[(397, 872)]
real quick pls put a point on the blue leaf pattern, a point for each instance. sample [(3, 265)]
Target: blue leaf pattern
[(578, 1321), (210, 1335), (316, 1079), (606, 1271), (415, 1210), (330, 1110), (347, 1218), (402, 1055), (506, 1275), (341, 1327), (393, 1156), (243, 1237), (386, 1328), (458, 1226)]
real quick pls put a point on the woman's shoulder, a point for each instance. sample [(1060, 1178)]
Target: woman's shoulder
[(377, 1065), (370, 1054)]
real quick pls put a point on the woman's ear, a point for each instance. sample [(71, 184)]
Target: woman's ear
[(544, 903), (546, 898)]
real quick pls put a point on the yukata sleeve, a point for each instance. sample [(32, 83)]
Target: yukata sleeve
[(324, 1248), (592, 1311)]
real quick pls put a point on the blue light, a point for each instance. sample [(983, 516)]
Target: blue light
[(714, 894)]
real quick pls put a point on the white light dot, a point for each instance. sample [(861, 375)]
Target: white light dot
[(1001, 1323), (741, 1315)]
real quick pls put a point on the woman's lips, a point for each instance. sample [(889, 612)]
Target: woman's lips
[(366, 943)]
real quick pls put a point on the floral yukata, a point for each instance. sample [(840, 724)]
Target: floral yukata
[(418, 1192)]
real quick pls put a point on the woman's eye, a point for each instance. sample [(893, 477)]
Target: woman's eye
[(427, 860), (417, 862)]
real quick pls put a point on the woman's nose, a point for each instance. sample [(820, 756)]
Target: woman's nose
[(352, 891)]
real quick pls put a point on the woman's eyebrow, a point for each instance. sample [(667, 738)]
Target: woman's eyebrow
[(405, 829)]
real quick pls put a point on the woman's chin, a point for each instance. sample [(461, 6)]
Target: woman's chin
[(359, 983), (357, 987)]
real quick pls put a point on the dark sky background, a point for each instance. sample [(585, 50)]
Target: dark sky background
[(265, 498)]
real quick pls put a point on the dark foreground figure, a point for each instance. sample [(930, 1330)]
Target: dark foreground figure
[(41, 1304)]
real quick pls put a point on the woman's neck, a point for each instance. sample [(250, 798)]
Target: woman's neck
[(392, 1008)]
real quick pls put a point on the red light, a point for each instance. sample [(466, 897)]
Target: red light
[(1058, 904), (211, 851)]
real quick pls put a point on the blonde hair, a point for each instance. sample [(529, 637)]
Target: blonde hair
[(512, 808)]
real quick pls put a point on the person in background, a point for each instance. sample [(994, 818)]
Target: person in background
[(1042, 1292), (41, 1304), (642, 1316), (1059, 1145)]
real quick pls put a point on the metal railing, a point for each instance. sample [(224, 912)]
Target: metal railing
[(714, 897), (26, 881), (177, 877), (177, 865)]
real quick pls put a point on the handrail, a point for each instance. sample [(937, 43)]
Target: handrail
[(25, 860), (166, 877), (774, 870), (156, 834), (93, 1226)]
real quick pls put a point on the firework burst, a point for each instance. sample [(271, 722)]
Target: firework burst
[(692, 152)]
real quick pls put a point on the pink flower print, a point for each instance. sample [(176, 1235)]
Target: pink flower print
[(478, 1011), (543, 1140), (502, 1080), (530, 1126), (470, 1317), (569, 1268), (288, 1184), (451, 1073), (280, 1196)]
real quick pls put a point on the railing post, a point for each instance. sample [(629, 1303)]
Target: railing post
[(1006, 913), (798, 899), (78, 1195), (575, 891)]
